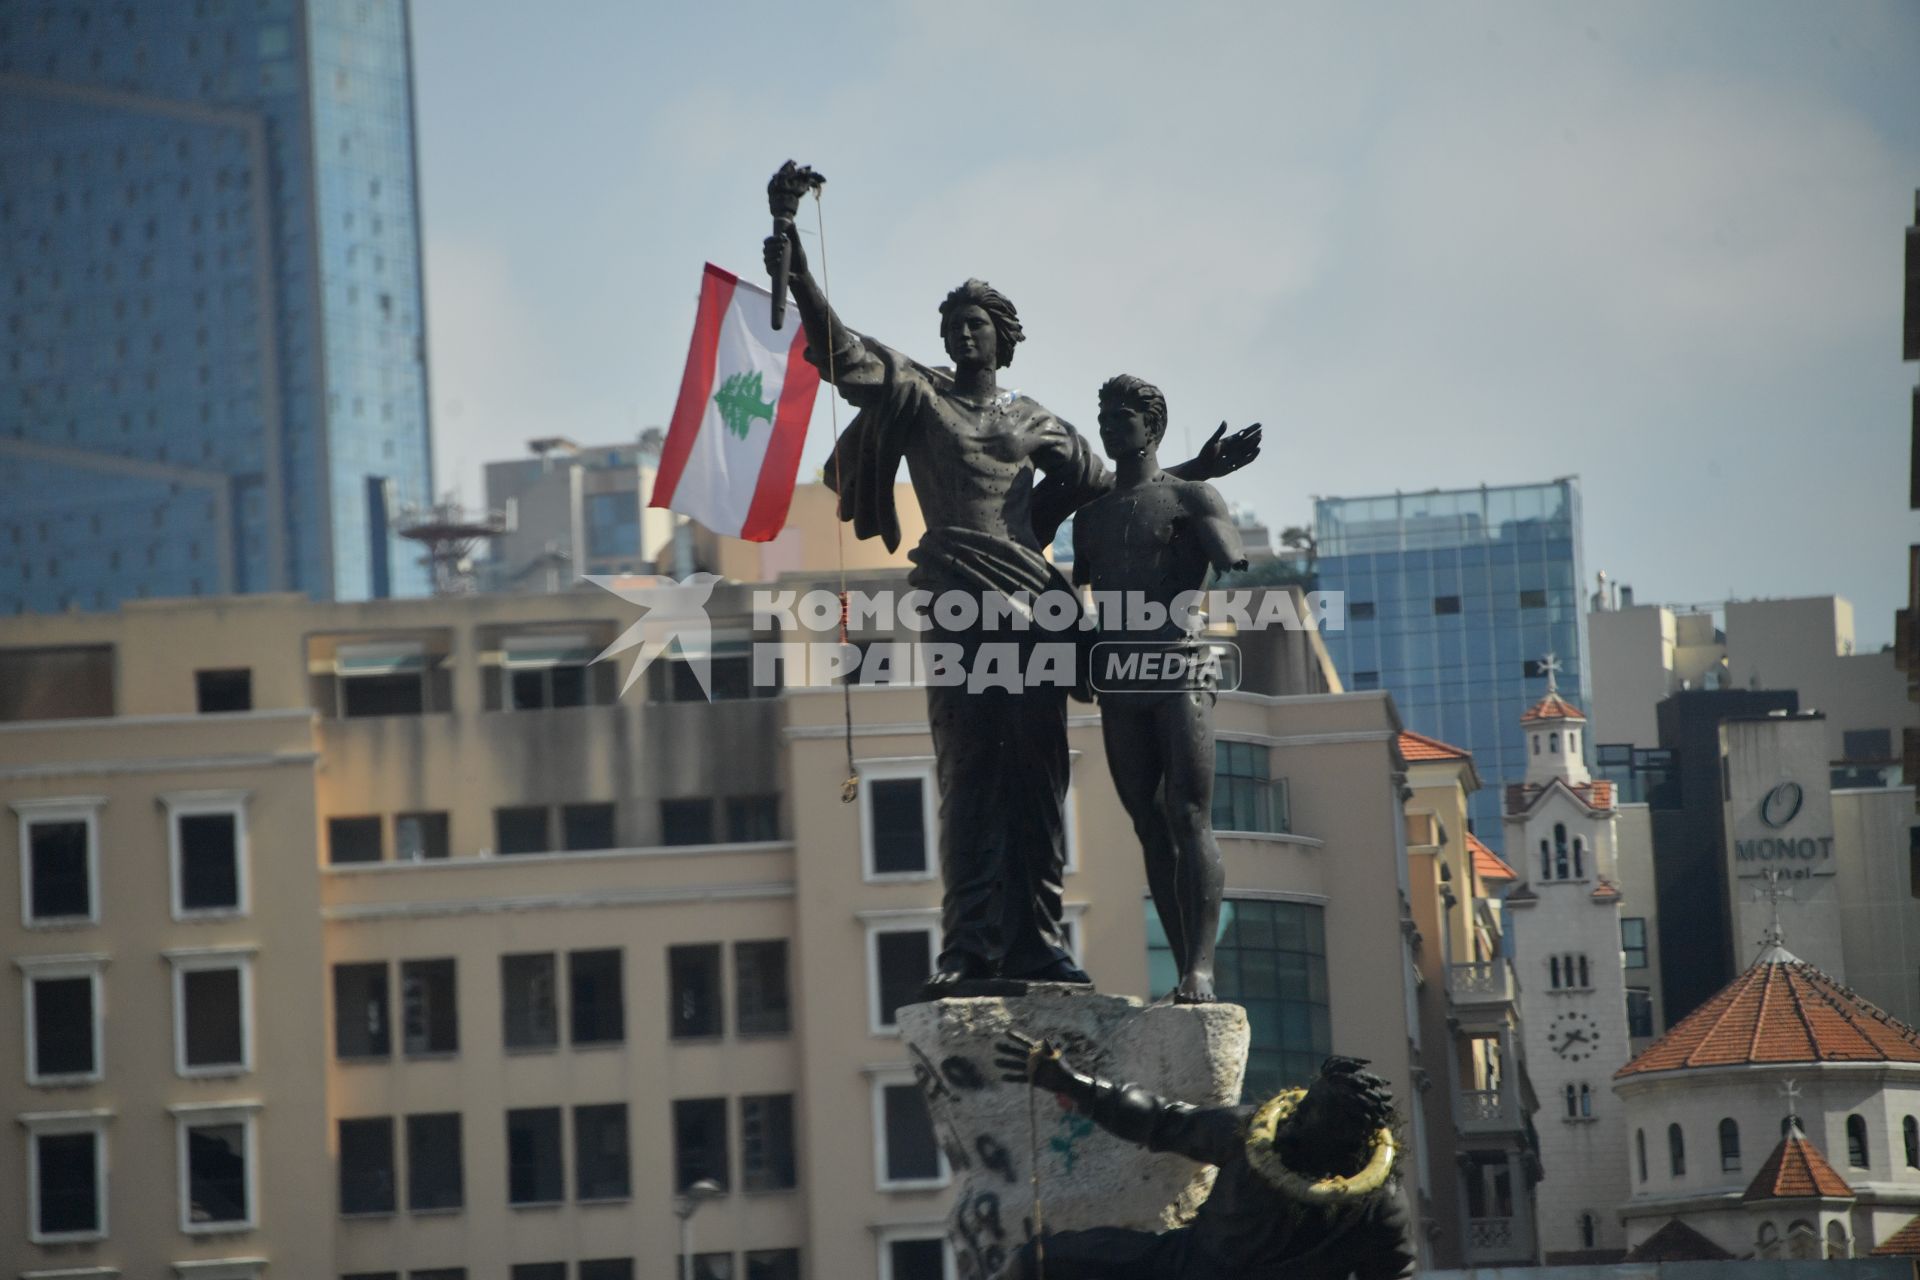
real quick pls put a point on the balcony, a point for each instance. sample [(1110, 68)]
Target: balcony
[(1486, 1111), (1480, 985), (1494, 1240)]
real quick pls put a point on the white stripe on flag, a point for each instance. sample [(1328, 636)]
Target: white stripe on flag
[(723, 469)]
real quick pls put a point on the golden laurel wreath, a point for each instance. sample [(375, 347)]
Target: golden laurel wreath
[(1267, 1162)]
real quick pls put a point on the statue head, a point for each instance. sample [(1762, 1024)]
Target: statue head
[(1333, 1127), (978, 298), (1133, 416)]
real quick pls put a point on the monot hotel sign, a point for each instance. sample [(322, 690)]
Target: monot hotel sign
[(1799, 856)]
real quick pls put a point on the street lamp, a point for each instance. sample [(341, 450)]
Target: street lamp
[(685, 1205)]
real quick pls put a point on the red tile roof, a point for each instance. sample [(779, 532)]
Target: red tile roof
[(1677, 1242), (1781, 1010), (1904, 1243), (1597, 794), (1605, 891), (1486, 863), (1418, 746), (1552, 707), (1797, 1171)]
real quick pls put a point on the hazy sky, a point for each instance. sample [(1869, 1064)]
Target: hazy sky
[(1657, 246)]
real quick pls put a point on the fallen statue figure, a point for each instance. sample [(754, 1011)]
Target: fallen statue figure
[(1306, 1188)]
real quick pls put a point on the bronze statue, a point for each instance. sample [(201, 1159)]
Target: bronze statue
[(1152, 539), (1305, 1189), (972, 451)]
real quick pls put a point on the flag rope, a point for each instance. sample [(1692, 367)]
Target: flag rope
[(850, 788)]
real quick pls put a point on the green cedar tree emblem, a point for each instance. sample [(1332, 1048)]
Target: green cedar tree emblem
[(740, 403)]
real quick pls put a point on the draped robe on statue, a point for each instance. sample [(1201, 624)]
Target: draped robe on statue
[(1000, 756)]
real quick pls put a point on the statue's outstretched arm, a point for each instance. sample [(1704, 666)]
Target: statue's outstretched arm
[(824, 331), (1221, 455), (1210, 1135)]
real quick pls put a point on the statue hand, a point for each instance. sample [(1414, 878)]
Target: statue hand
[(1022, 1059), (1223, 455), (796, 256)]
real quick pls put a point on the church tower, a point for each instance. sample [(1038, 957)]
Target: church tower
[(1567, 958)]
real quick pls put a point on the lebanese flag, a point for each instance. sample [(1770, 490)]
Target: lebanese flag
[(745, 399)]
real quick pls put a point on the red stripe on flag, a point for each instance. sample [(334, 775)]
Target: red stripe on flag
[(696, 383), (773, 491)]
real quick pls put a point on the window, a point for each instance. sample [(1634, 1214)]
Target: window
[(1443, 605), (706, 1266), (63, 1018), (534, 1173), (439, 1273), (382, 679), (366, 1166), (1676, 1152), (1579, 858), (209, 854), (1363, 680), (430, 1022), (521, 829), (600, 1152), (899, 963), (1533, 598), (223, 690), (693, 974), (613, 524), (773, 1264), (896, 820), (1573, 1103), (59, 844), (760, 996), (1640, 1152), (1586, 1102), (599, 1014), (212, 1022), (419, 837), (216, 1168), (1639, 1012), (699, 1141), (1271, 959), (361, 1026), (436, 1176), (1553, 972), (688, 821), (66, 1171), (909, 1156), (1910, 1137), (537, 1271), (1857, 1142), (766, 1143), (1246, 795), (1873, 745), (587, 826), (555, 685), (1560, 869), (1586, 1231), (752, 819), (915, 1258), (1729, 1146), (608, 1268), (1360, 609), (1633, 941), (353, 840), (527, 1001)]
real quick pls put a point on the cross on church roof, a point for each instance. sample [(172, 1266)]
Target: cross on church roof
[(1550, 668), (1790, 1090), (1773, 944)]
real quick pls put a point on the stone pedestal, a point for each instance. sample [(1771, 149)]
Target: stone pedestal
[(991, 1130)]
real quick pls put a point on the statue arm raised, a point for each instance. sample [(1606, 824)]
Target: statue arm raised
[(825, 333)]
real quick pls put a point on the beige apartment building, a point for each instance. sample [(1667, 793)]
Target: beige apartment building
[(1473, 1127), (391, 940)]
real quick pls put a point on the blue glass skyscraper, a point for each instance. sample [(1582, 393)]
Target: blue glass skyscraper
[(213, 374), (1453, 597)]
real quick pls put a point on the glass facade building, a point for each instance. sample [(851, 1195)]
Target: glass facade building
[(214, 372), (1452, 599)]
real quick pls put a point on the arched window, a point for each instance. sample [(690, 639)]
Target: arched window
[(1573, 1103), (1536, 744), (1560, 851), (1837, 1246), (1553, 742), (1802, 1240), (1640, 1151), (1767, 1245), (1910, 1132), (1546, 861), (1676, 1151), (1573, 740), (1586, 1231), (1857, 1142), (1584, 984), (1729, 1146), (1553, 966), (1579, 858), (1586, 1102)]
